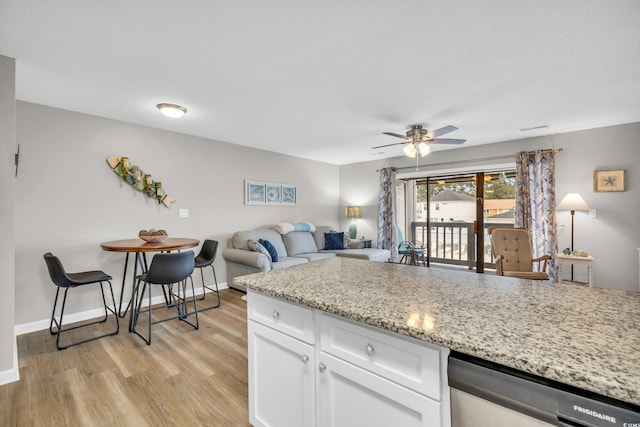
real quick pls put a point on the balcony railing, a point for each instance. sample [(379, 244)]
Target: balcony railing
[(454, 242)]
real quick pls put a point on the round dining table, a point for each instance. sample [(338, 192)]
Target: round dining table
[(141, 248)]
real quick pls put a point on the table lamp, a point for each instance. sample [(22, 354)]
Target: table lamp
[(572, 202), (352, 212)]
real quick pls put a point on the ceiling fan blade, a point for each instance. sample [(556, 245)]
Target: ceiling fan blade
[(447, 141), (397, 135), (389, 145), (442, 131)]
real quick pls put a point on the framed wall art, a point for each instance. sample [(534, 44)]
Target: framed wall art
[(255, 193), (608, 180), (288, 195), (269, 193), (274, 194)]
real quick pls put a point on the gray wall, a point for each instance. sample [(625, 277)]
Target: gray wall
[(8, 371), (612, 238), (68, 200)]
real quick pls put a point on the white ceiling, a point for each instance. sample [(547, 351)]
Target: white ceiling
[(323, 79)]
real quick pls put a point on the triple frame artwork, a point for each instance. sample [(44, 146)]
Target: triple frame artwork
[(268, 193)]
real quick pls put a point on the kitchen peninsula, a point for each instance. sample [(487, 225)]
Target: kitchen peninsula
[(583, 337)]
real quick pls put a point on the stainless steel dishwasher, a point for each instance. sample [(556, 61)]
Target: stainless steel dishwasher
[(486, 394)]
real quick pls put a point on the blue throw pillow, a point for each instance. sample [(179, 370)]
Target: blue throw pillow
[(272, 250), (334, 241)]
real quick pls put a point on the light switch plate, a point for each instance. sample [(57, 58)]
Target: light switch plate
[(593, 213), (184, 213)]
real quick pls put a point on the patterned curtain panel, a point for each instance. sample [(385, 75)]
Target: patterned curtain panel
[(536, 203), (387, 232)]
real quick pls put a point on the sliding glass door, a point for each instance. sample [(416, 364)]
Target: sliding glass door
[(453, 212)]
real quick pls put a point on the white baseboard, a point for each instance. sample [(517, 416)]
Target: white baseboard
[(13, 374), (40, 325)]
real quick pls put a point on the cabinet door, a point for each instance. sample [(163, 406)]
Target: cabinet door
[(281, 379), (350, 396)]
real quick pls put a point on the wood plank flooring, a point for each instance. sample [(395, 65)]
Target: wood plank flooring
[(185, 377)]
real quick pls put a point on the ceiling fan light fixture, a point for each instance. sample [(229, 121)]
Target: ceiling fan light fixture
[(424, 149), (410, 150), (171, 110)]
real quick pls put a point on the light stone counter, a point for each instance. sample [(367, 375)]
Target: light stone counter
[(585, 337)]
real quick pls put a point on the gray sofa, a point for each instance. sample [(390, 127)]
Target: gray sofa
[(294, 247)]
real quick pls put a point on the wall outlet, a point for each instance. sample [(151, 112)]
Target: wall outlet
[(593, 213), (184, 213)]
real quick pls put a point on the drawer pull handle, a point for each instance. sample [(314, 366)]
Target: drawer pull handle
[(369, 350), (305, 358), (322, 367), (276, 315)]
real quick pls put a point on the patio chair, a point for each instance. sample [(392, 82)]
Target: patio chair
[(410, 252)]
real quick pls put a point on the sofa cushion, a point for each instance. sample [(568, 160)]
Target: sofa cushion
[(240, 239), (287, 262), (316, 256), (333, 241), (299, 242), (269, 247), (371, 254), (259, 247)]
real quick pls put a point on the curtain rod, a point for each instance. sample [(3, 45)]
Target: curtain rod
[(480, 159)]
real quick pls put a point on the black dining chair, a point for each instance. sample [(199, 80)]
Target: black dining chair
[(65, 280), (167, 269), (204, 259)]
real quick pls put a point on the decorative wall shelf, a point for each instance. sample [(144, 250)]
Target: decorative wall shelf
[(136, 177)]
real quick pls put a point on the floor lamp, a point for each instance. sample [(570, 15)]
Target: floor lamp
[(572, 202)]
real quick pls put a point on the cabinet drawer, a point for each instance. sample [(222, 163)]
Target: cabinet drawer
[(287, 317), (411, 363)]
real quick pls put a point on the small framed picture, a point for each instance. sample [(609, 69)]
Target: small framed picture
[(608, 180), (274, 194), (255, 193), (288, 195)]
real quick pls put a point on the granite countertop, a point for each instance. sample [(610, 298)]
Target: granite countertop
[(582, 336)]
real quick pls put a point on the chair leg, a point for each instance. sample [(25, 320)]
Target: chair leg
[(184, 313), (204, 287), (59, 324), (136, 312)]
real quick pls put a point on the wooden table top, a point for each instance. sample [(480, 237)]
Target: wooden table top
[(139, 245)]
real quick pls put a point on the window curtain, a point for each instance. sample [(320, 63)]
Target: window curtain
[(387, 230), (536, 203)]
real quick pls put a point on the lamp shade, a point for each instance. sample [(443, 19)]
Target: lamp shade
[(573, 202), (352, 211)]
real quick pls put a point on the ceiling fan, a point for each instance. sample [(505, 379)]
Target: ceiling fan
[(418, 139)]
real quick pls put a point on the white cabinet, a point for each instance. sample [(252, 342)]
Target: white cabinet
[(281, 379), (371, 377), (281, 363), (308, 368), (351, 396)]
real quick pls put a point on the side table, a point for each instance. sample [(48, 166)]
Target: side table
[(359, 244), (575, 260)]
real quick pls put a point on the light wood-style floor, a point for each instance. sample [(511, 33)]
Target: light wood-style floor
[(185, 377)]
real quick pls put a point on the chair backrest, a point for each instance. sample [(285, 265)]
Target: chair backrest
[(170, 268), (208, 252), (56, 270), (402, 245), (514, 245)]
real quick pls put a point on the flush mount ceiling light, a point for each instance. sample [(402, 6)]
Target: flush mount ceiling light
[(171, 110)]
